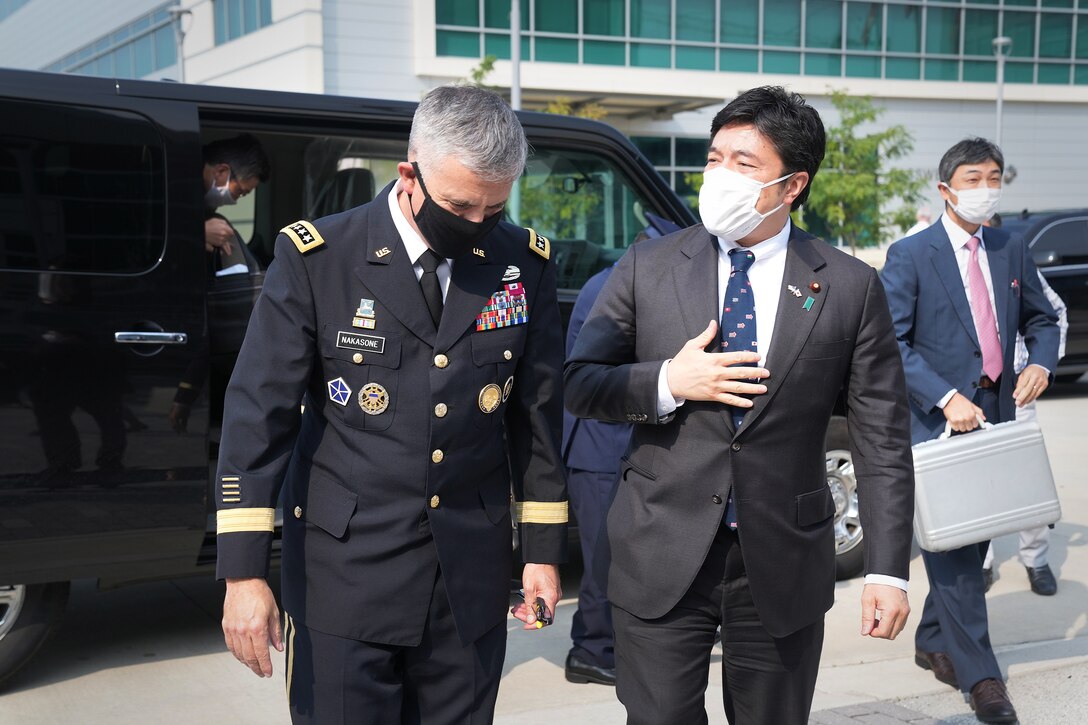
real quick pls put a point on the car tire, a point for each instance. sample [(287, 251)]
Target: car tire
[(849, 537), (28, 615)]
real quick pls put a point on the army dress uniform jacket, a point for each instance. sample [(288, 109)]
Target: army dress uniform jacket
[(398, 463)]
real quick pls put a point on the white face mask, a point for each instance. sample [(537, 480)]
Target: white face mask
[(975, 206), (218, 196), (727, 203)]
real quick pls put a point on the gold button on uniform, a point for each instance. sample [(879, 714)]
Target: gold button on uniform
[(507, 354), (441, 361), (357, 358), (298, 512), (434, 502), (440, 410), (438, 455)]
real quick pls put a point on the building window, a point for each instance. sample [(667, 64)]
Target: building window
[(136, 50), (947, 40), (235, 18)]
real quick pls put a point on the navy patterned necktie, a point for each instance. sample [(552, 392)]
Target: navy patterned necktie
[(738, 330), (738, 326)]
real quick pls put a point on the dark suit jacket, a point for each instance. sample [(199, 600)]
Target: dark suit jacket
[(936, 330), (669, 502), (370, 509), (588, 444)]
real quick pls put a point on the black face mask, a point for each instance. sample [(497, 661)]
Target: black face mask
[(448, 234)]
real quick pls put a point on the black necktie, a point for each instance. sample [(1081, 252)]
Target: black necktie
[(428, 282)]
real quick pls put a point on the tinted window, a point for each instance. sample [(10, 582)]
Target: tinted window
[(1068, 239), (584, 204), (81, 190)]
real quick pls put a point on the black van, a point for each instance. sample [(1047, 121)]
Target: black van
[(107, 302)]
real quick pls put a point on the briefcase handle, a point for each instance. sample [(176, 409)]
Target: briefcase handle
[(948, 427)]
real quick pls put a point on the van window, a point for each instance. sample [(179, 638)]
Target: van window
[(81, 190), (1068, 239), (584, 204)]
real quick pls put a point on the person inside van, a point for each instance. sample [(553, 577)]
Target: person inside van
[(233, 167)]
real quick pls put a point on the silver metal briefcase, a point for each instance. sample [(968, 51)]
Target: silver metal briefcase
[(992, 481)]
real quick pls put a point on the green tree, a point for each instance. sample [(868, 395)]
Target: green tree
[(856, 191)]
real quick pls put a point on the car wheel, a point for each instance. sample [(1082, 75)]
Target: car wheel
[(28, 615), (849, 538)]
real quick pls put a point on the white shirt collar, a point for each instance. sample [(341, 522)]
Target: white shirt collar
[(763, 250), (958, 235), (413, 243)]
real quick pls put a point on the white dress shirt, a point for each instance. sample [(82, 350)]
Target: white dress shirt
[(414, 244), (765, 277)]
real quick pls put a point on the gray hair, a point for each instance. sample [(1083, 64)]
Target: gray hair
[(474, 126), (969, 151)]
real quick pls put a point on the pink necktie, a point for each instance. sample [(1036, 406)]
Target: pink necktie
[(983, 312)]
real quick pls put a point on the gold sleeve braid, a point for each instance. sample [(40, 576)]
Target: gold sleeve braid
[(541, 512), (232, 521)]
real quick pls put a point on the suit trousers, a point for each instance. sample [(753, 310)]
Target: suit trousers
[(591, 627), (663, 665), (954, 618), (1034, 543), (336, 681)]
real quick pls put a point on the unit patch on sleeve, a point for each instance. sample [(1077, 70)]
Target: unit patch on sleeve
[(506, 307), (304, 235)]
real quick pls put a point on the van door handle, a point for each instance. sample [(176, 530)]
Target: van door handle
[(150, 338)]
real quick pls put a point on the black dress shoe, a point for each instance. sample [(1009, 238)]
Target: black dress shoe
[(581, 672), (1042, 580), (990, 701), (988, 578), (940, 663)]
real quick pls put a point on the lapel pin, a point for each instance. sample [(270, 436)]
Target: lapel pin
[(815, 286), (808, 303), (1015, 283), (793, 290), (382, 252), (478, 252)]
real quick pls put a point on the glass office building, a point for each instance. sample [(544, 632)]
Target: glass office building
[(932, 40)]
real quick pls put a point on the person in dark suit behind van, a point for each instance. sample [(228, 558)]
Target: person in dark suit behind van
[(423, 336)]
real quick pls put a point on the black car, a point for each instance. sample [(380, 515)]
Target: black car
[(1059, 245)]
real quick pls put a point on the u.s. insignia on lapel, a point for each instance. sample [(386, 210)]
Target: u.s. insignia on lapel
[(509, 306)]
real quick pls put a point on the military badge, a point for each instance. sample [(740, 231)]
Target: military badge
[(366, 308), (489, 398), (373, 399), (511, 274), (363, 322), (339, 392), (507, 388), (509, 306)]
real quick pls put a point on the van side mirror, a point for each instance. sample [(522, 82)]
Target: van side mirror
[(1049, 258)]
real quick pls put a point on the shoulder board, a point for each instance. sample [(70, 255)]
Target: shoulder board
[(304, 235), (539, 244)]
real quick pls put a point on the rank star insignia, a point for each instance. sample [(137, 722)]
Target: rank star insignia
[(339, 392)]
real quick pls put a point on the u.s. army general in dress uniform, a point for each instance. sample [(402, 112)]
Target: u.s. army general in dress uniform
[(396, 475)]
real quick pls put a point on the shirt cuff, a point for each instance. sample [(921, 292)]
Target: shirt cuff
[(947, 397), (666, 403), (884, 579), (1038, 366)]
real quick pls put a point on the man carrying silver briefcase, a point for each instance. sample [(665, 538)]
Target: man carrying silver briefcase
[(958, 295)]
